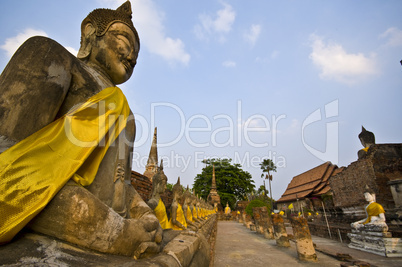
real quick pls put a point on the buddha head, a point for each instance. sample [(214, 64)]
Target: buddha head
[(110, 43), (177, 190), (187, 196), (369, 194), (367, 138), (159, 180)]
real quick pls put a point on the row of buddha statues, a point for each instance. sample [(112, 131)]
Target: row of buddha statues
[(187, 210)]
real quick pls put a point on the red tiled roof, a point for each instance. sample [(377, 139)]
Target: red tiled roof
[(312, 182)]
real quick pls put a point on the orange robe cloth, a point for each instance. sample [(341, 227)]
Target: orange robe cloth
[(72, 147)]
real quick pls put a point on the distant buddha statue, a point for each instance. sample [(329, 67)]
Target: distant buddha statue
[(199, 209), (159, 181), (177, 220), (227, 209), (367, 139), (193, 207), (64, 121), (375, 215)]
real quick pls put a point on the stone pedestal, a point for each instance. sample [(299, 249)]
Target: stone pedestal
[(248, 221), (304, 243), (263, 223), (380, 243), (241, 217), (280, 234)]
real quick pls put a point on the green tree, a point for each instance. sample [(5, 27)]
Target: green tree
[(232, 182), (268, 165), (257, 203)]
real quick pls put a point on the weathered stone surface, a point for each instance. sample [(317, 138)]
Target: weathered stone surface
[(280, 233), (248, 220), (376, 243), (31, 249), (396, 190), (263, 222), (304, 243), (75, 216)]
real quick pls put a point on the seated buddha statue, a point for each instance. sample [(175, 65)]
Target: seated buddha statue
[(187, 211), (159, 181), (375, 215), (367, 139), (177, 220), (66, 135), (193, 208), (227, 209)]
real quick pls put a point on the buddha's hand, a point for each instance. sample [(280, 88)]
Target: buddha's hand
[(146, 233)]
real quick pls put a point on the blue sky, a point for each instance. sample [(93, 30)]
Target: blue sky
[(293, 81)]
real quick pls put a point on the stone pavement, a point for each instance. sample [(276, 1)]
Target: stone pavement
[(237, 246)]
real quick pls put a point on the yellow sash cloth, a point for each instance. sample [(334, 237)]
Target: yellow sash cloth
[(374, 209), (194, 213), (227, 210), (189, 215), (35, 169), (160, 212), (180, 218)]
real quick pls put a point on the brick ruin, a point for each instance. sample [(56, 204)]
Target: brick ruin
[(381, 165)]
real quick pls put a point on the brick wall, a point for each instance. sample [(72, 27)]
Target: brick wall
[(349, 185), (143, 185), (383, 163)]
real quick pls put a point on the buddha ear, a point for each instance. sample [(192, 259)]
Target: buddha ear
[(88, 34)]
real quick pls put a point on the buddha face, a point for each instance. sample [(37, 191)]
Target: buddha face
[(116, 52), (368, 197)]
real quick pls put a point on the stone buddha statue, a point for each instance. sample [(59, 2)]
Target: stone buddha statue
[(193, 207), (201, 210), (187, 210), (178, 221), (159, 181), (375, 219), (367, 139), (66, 135), (227, 209)]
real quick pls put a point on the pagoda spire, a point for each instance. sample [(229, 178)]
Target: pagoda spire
[(213, 187), (152, 163), (213, 197)]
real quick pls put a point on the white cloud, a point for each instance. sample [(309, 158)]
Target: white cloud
[(11, 44), (394, 36), (219, 24), (252, 35), (336, 64), (148, 19), (229, 64)]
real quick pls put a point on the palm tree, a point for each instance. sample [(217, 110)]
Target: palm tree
[(268, 165)]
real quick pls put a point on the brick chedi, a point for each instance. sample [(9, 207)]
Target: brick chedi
[(213, 197), (152, 163)]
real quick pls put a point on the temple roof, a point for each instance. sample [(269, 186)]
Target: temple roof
[(312, 183)]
